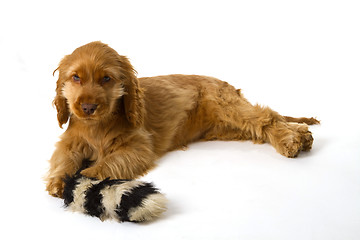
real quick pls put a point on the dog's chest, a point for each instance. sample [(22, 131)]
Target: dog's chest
[(103, 143)]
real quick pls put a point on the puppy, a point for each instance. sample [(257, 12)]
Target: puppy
[(123, 124)]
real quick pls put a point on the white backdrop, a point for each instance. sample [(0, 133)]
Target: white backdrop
[(299, 57)]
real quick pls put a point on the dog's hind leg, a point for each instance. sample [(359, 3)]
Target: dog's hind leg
[(232, 117)]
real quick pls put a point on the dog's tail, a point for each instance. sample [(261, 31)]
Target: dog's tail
[(308, 121)]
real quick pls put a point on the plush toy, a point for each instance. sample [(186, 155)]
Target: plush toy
[(122, 200)]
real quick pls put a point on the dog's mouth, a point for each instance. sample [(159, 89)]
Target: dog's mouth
[(89, 119)]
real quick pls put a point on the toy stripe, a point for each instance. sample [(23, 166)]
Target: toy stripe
[(93, 198), (112, 197), (70, 184), (133, 199)]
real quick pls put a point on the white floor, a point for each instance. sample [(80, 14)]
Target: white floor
[(301, 59)]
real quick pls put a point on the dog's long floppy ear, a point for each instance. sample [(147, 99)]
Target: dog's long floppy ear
[(134, 96), (60, 102)]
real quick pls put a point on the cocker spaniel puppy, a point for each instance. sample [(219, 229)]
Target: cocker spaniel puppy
[(123, 124)]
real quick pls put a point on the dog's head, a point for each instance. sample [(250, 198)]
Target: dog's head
[(94, 82)]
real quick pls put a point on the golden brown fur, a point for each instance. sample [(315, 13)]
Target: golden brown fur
[(138, 120)]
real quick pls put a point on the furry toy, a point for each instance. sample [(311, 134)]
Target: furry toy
[(122, 200)]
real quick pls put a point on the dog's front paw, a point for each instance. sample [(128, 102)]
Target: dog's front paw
[(55, 187), (92, 172)]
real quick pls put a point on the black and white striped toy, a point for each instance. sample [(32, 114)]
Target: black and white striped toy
[(122, 200)]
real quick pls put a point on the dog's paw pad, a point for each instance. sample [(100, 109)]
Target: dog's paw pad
[(291, 147), (307, 141)]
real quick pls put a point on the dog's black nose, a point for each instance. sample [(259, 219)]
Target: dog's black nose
[(88, 108)]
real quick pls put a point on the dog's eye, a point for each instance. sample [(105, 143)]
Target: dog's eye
[(106, 79), (76, 78)]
